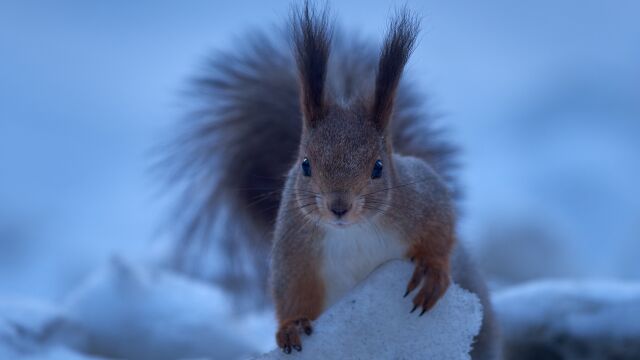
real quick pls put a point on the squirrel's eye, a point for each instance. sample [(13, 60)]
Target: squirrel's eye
[(377, 170), (306, 167)]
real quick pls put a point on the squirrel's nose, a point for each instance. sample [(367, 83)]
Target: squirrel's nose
[(339, 208)]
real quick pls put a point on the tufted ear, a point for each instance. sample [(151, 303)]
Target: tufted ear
[(398, 45), (311, 41)]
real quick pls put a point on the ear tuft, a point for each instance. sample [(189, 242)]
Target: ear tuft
[(398, 46), (311, 41)]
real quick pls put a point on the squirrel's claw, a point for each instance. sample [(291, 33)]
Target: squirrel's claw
[(416, 278), (287, 339), (288, 336), (286, 349), (308, 330), (435, 282), (306, 326), (434, 286)]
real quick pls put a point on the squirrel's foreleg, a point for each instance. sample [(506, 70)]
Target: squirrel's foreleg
[(430, 254), (299, 297)]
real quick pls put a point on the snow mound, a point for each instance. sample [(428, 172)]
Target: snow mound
[(373, 322), (136, 312), (57, 353), (29, 331), (570, 320), (129, 311)]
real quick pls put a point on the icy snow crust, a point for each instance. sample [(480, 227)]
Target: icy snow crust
[(373, 322)]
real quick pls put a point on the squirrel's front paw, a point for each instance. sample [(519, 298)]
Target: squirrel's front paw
[(288, 335), (434, 279)]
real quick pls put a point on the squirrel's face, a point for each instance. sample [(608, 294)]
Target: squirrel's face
[(343, 170)]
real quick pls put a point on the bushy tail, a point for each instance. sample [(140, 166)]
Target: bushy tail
[(230, 156)]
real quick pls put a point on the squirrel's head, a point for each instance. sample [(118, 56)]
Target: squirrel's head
[(345, 167)]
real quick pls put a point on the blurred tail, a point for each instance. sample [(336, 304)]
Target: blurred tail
[(230, 157)]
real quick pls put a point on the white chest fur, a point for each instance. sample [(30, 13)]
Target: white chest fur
[(352, 253)]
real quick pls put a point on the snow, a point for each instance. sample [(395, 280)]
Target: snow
[(373, 322), (27, 331), (167, 316), (569, 319), (133, 311), (52, 354)]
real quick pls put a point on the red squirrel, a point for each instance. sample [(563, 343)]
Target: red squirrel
[(365, 179), (350, 203)]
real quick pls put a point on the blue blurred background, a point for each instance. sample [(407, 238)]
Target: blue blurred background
[(542, 96)]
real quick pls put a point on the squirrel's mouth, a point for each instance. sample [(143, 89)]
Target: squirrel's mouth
[(340, 223)]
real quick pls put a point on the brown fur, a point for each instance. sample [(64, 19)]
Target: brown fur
[(231, 155), (342, 147), (312, 56), (395, 54)]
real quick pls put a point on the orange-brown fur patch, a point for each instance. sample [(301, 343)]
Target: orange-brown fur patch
[(432, 269), (302, 302)]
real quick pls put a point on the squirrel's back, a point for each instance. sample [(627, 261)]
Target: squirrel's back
[(234, 151)]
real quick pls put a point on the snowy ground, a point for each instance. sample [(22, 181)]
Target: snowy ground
[(571, 320), (134, 312)]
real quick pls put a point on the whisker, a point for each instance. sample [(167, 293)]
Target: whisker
[(301, 198), (375, 209), (304, 206), (274, 189), (374, 201), (375, 229), (395, 187)]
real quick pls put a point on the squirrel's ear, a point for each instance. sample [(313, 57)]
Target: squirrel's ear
[(398, 45), (311, 41)]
